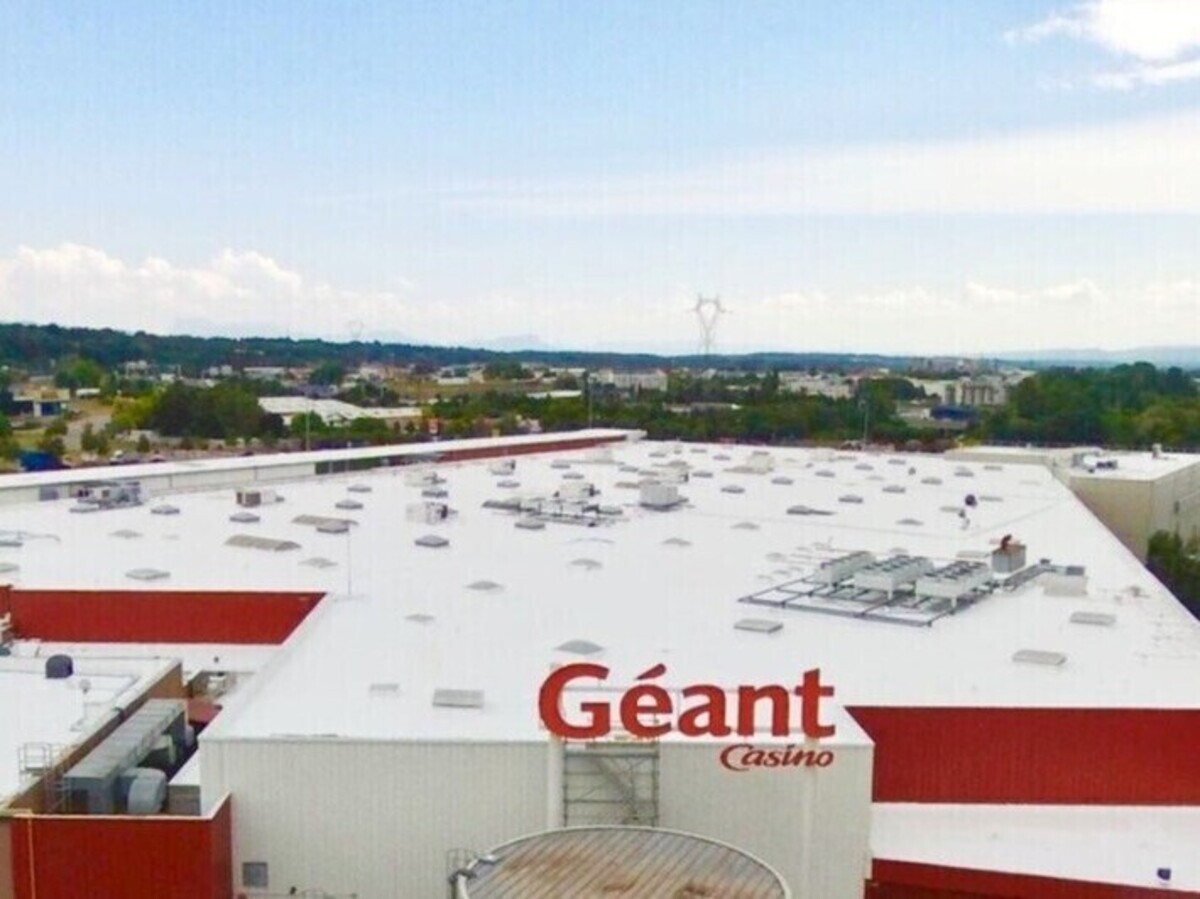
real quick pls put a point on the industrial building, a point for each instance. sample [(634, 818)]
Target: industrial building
[(1133, 493), (345, 674)]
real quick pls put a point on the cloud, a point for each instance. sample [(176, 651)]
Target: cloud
[(237, 293), (1161, 36), (1143, 165), (244, 293)]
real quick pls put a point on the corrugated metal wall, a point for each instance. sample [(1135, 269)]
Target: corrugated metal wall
[(811, 825), (909, 880), (379, 819), (71, 857), (1036, 756), (374, 818), (158, 616)]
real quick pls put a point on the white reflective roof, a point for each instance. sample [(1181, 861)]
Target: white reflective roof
[(647, 602)]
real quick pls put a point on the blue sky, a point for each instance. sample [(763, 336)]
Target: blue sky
[(901, 176)]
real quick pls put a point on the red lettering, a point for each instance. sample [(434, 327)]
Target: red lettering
[(712, 711), (748, 698), (741, 757), (550, 703), (811, 691)]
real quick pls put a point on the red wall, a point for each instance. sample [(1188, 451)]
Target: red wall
[(159, 616), (447, 453), (1035, 756), (71, 857), (908, 880)]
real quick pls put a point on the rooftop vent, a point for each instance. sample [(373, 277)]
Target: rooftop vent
[(561, 463), (895, 488), (852, 498), (782, 480), (910, 522), (993, 467), (164, 509), (11, 541), (628, 469), (147, 574), (573, 476), (702, 473), (503, 466), (896, 462), (1100, 618), (458, 699), (990, 498), (421, 477), (933, 481), (758, 625), (485, 586), (825, 473), (432, 541), (1039, 657), (586, 564), (435, 493), (244, 518), (659, 496), (384, 690), (745, 526), (721, 457), (508, 485), (319, 562), (864, 466), (334, 526), (580, 647), (530, 524), (806, 510), (318, 520), (733, 488), (697, 450), (676, 541), (963, 473), (419, 618), (59, 667), (251, 541), (8, 567), (126, 534), (348, 504), (359, 488)]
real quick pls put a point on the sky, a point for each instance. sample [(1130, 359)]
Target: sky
[(910, 176)]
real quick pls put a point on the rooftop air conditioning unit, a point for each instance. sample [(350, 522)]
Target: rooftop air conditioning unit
[(656, 495)]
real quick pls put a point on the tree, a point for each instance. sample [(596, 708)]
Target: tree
[(79, 371), (143, 444), (327, 373)]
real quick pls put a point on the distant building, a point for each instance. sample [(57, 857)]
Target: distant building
[(334, 412), (834, 387), (633, 380)]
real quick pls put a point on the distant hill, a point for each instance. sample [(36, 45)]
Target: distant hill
[(1162, 356), (39, 346)]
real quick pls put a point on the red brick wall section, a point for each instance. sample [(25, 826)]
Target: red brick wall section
[(909, 880), (1034, 756), (168, 616), (71, 857)]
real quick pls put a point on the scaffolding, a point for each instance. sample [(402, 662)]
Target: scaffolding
[(610, 783)]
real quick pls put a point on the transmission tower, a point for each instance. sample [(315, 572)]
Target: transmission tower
[(708, 310)]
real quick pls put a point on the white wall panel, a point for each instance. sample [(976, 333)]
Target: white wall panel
[(373, 818), (812, 825)]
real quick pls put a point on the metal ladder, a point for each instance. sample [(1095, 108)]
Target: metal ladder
[(610, 783)]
